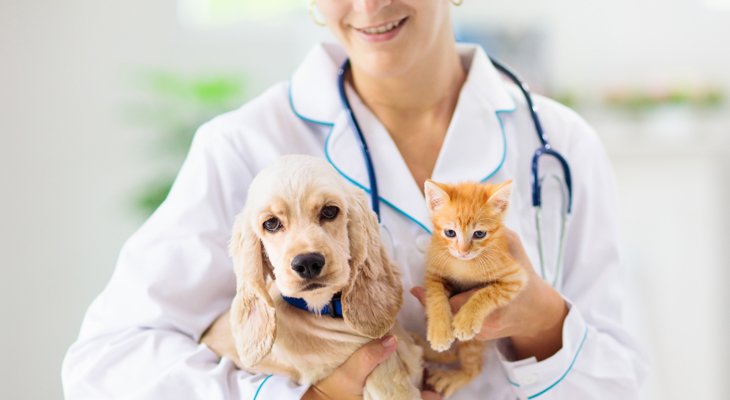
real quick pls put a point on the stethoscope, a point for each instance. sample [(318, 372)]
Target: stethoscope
[(545, 150)]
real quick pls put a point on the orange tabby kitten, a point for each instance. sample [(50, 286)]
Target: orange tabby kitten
[(468, 250)]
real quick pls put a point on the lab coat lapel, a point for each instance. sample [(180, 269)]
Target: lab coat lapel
[(397, 188), (314, 98), (313, 94), (474, 148)]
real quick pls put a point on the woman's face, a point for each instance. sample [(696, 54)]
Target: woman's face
[(386, 38)]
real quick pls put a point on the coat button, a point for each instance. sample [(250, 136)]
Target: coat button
[(422, 242)]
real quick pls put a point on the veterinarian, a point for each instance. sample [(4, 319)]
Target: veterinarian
[(427, 107)]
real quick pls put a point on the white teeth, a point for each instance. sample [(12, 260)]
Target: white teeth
[(381, 29)]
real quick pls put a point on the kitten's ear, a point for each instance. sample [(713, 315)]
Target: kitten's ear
[(436, 196), (500, 198)]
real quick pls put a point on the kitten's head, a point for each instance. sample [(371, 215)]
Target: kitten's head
[(467, 217)]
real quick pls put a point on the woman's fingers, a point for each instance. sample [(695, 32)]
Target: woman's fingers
[(517, 250), (428, 395), (456, 301), (349, 379), (419, 293), (362, 362), (219, 339)]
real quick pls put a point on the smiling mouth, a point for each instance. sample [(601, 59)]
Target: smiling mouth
[(382, 29)]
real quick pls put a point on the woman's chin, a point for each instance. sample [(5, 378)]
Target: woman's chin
[(385, 64)]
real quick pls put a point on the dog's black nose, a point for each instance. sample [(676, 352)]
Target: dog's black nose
[(308, 265)]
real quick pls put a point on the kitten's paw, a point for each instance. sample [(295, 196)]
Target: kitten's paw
[(440, 336), (447, 382), (466, 326)]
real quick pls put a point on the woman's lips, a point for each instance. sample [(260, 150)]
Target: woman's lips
[(382, 33)]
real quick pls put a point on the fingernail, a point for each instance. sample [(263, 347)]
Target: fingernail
[(389, 341)]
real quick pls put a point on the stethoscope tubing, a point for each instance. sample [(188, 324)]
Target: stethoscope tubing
[(374, 196), (522, 85), (536, 184), (545, 149)]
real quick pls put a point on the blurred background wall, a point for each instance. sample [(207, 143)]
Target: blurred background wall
[(651, 76)]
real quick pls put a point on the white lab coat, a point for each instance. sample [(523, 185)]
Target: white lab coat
[(139, 338)]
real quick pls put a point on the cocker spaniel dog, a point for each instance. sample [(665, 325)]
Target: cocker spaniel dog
[(306, 241)]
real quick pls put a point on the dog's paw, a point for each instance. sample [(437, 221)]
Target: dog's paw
[(440, 336), (466, 326), (447, 382)]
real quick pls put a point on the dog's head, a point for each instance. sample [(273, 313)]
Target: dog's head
[(315, 235)]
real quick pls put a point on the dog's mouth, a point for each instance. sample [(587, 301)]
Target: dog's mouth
[(312, 286)]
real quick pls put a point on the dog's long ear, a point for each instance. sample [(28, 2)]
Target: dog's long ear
[(371, 301), (253, 318)]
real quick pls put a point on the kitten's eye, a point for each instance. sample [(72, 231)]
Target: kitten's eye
[(272, 224), (479, 234), (329, 212), (450, 233)]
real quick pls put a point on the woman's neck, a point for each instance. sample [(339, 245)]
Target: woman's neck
[(431, 87), (416, 107)]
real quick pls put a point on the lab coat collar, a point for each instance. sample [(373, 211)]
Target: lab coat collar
[(313, 87), (473, 150)]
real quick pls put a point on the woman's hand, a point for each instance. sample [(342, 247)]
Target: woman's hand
[(219, 339), (348, 380), (533, 320)]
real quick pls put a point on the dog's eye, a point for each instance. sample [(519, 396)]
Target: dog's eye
[(479, 234), (272, 224), (450, 233), (329, 212)]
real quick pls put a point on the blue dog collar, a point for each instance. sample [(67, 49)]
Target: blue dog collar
[(333, 309)]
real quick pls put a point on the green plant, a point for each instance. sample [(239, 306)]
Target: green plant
[(171, 108), (638, 100)]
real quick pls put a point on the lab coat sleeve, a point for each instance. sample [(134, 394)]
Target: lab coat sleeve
[(139, 338), (598, 358)]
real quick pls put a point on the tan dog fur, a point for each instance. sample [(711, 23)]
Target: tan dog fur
[(271, 336)]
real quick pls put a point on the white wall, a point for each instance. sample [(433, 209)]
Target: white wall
[(601, 44), (675, 236), (70, 162)]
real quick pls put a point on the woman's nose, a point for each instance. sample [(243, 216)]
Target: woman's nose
[(370, 7)]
